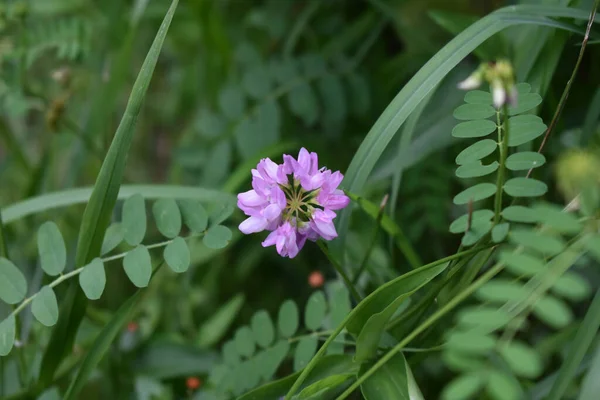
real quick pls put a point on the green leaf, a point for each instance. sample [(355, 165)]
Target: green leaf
[(13, 286), (93, 279), (194, 215), (273, 358), (522, 359), (523, 88), (592, 245), (519, 214), (501, 290), (572, 286), (470, 342), (133, 219), (230, 354), (459, 225), (334, 98), (525, 160), (458, 361), (524, 128), (388, 382), (138, 266), (553, 312), (316, 309), (499, 232), (477, 231), (554, 217), (177, 255), (478, 96), (525, 102), (502, 387), (521, 264), (475, 193), (288, 319), (474, 129), (305, 350), (232, 102), (464, 387), (167, 217), (51, 248), (487, 317), (244, 341), (303, 104), (525, 187), (44, 306), (257, 82), (476, 151), (542, 243), (476, 169), (217, 325), (474, 111), (262, 328), (7, 335), (220, 214), (323, 388), (340, 307), (217, 237), (113, 237), (360, 97), (101, 345)]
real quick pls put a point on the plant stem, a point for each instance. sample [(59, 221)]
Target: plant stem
[(340, 271), (503, 145), (363, 264)]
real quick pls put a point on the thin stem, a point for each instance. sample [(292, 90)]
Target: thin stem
[(340, 271), (430, 321), (565, 94), (503, 146), (301, 22)]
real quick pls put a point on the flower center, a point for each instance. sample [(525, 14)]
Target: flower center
[(299, 203)]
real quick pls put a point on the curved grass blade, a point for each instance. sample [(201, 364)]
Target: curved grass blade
[(97, 214)]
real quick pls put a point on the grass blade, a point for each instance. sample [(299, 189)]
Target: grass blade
[(97, 214)]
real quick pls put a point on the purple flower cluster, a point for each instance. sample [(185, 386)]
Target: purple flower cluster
[(295, 201)]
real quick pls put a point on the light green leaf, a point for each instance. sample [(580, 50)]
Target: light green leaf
[(257, 82), (7, 335), (459, 225), (273, 358), (476, 169), (133, 219), (44, 306), (464, 387), (167, 217), (194, 215), (487, 317), (501, 290), (388, 382), (262, 328), (232, 102), (523, 88), (470, 342), (284, 70), (522, 359), (572, 286), (477, 231), (525, 160), (303, 104), (525, 187), (138, 266), (524, 128), (244, 341), (540, 242), (323, 388), (93, 279), (478, 96), (316, 308), (113, 237), (592, 244), (474, 129), (502, 387), (217, 237), (217, 325), (521, 264), (476, 151), (230, 354), (177, 255), (220, 213), (554, 217), (288, 318), (474, 111), (51, 249), (499, 232), (305, 350), (553, 312), (475, 193), (458, 361), (525, 102), (13, 286), (519, 214)]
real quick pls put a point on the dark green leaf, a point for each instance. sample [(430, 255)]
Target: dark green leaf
[(217, 325), (525, 187), (500, 231), (167, 217), (262, 328), (13, 286), (388, 382), (525, 160), (475, 193), (474, 129), (476, 151), (323, 388), (592, 244), (553, 312), (340, 307), (464, 387), (194, 215), (217, 237), (522, 359), (230, 354), (134, 219), (113, 237), (288, 319), (476, 169), (177, 255), (303, 103), (519, 214), (523, 88), (44, 306), (474, 111), (334, 98), (316, 308), (7, 335), (460, 224), (93, 279), (232, 102), (244, 341), (138, 266), (524, 128), (257, 82), (361, 97), (51, 248), (540, 242), (305, 350)]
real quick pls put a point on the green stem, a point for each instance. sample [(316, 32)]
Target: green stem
[(503, 146), (340, 271), (430, 321)]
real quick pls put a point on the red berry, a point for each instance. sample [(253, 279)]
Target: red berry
[(193, 383), (316, 279)]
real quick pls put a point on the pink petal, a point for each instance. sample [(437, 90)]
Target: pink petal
[(253, 224), (251, 198), (271, 212)]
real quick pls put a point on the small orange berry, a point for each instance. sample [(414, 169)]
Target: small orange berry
[(193, 383), (316, 279), (132, 326)]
